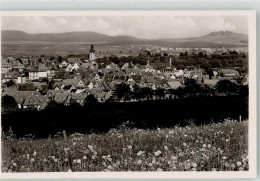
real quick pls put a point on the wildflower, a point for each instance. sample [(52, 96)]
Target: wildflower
[(174, 157), (66, 159), (241, 169), (194, 165), (34, 153), (139, 162), (209, 145), (224, 157), (117, 162), (184, 144), (226, 164), (227, 140), (93, 157), (153, 162), (14, 164), (129, 147), (157, 153), (202, 149), (53, 157), (74, 161), (169, 162), (214, 169), (109, 159), (110, 167), (84, 158), (55, 160), (166, 148), (239, 164), (159, 169), (232, 165), (140, 153), (90, 147), (79, 161), (69, 170), (32, 160), (150, 164)]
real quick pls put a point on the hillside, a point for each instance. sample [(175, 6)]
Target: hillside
[(211, 40), (85, 36), (215, 37)]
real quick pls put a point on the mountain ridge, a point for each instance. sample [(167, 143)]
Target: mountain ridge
[(224, 37)]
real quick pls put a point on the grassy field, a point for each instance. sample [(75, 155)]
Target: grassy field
[(214, 147)]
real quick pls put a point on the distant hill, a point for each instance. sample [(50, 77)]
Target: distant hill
[(213, 39), (85, 36)]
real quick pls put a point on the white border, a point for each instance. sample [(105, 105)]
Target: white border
[(252, 173)]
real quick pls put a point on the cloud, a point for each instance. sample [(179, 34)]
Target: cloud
[(141, 27)]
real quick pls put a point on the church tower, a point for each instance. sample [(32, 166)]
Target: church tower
[(92, 54)]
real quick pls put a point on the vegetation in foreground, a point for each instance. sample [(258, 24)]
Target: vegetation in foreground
[(213, 147)]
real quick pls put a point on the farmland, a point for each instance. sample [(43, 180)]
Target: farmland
[(212, 147)]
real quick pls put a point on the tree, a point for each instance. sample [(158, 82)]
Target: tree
[(226, 87), (54, 105), (8, 104), (90, 99), (146, 93), (159, 93), (191, 87), (122, 92), (136, 93), (60, 59)]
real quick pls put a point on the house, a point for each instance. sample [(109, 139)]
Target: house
[(9, 91), (36, 75), (21, 96), (75, 67), (62, 98), (35, 101), (173, 85), (77, 83), (63, 64), (78, 98), (17, 65), (40, 87), (69, 68), (229, 73), (26, 87), (10, 76), (210, 82), (178, 73), (5, 66), (73, 60)]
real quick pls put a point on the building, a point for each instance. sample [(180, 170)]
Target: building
[(92, 54)]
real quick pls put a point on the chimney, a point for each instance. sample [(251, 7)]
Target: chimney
[(170, 62)]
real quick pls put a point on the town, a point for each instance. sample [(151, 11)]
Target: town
[(34, 82)]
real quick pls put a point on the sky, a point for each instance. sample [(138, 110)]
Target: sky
[(145, 27)]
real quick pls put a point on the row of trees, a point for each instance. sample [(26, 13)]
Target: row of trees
[(124, 93), (185, 59), (191, 88)]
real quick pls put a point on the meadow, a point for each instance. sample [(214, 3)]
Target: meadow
[(212, 147)]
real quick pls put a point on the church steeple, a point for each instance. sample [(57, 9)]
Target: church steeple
[(92, 54)]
